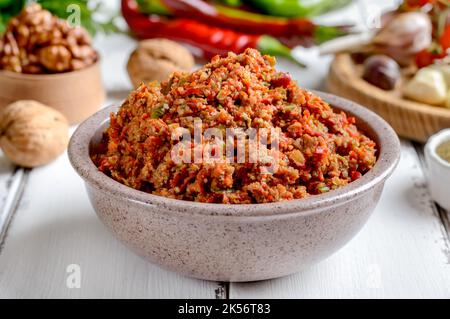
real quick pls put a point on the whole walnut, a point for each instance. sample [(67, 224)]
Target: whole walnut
[(32, 134), (156, 59)]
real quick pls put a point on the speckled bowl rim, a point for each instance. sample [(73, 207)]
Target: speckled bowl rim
[(388, 157)]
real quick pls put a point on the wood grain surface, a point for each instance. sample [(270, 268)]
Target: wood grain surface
[(12, 184)]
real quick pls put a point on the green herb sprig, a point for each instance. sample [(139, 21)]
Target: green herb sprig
[(9, 9), (93, 15), (89, 18)]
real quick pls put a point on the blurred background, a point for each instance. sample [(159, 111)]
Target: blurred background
[(215, 27)]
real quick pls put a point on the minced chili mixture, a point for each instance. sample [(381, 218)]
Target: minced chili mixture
[(319, 150)]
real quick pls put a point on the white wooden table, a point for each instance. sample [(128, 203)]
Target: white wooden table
[(403, 251)]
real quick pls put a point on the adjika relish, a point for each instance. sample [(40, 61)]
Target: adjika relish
[(318, 149)]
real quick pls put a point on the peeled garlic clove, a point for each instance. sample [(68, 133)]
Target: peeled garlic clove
[(428, 86), (445, 71)]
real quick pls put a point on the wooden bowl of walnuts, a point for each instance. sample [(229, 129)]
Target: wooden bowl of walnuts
[(43, 58)]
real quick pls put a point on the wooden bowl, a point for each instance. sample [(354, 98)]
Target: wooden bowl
[(413, 120), (76, 94)]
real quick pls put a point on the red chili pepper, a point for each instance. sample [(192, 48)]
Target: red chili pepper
[(282, 81), (445, 39), (248, 22), (354, 175), (211, 40), (418, 3), (427, 57), (238, 19)]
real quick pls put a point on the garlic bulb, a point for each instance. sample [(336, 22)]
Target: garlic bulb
[(404, 36), (428, 86)]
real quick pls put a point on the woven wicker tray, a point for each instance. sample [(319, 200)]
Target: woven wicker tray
[(410, 119)]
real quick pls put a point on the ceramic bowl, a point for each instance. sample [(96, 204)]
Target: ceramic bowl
[(438, 170), (236, 242), (76, 94)]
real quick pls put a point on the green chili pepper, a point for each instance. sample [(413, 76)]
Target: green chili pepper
[(298, 8), (159, 111), (155, 7), (323, 189), (271, 46), (231, 3)]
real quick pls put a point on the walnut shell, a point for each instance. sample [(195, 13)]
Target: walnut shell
[(156, 59), (32, 134), (37, 42)]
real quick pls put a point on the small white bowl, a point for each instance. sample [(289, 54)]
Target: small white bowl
[(438, 170)]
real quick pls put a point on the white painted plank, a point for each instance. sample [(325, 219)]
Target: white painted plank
[(15, 186), (55, 227), (443, 214), (445, 219), (402, 252), (12, 183), (6, 172)]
